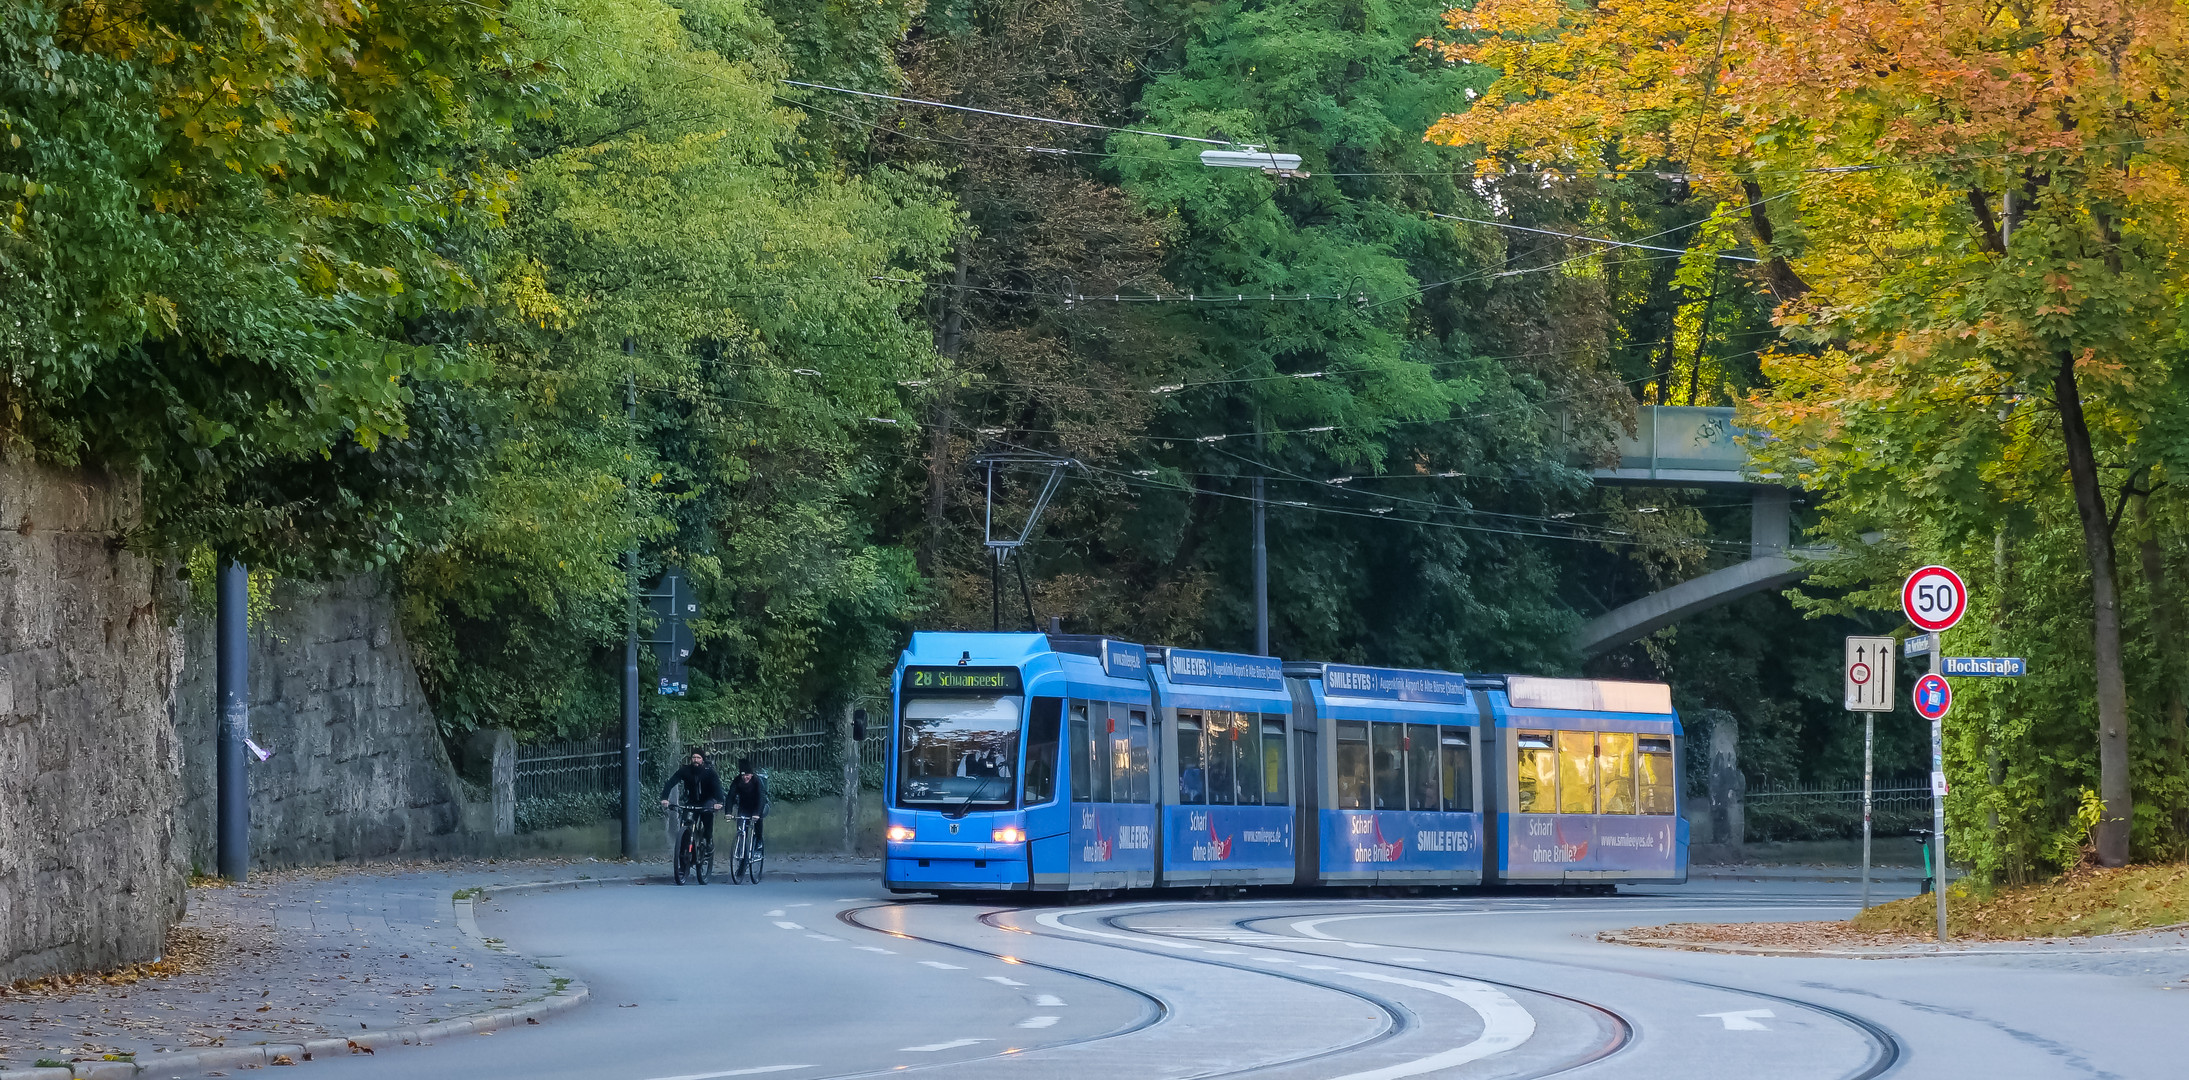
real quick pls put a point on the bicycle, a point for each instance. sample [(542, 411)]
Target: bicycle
[(694, 847), (746, 857)]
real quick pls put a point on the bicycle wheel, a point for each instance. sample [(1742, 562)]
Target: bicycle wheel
[(683, 854), (759, 856), (738, 853), (703, 859)]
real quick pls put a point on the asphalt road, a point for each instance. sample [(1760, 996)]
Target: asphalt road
[(836, 979)]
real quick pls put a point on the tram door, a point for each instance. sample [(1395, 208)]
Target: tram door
[(1306, 818)]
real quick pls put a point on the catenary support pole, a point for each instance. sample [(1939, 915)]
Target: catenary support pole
[(1869, 740), (1261, 575), (630, 652), (232, 690), (1938, 792)]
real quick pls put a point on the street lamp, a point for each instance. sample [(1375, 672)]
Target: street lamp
[(1253, 157)]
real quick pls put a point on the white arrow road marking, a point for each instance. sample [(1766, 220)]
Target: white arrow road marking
[(735, 1072), (933, 1047), (1505, 1025), (1049, 1001), (1055, 921), (1004, 981), (941, 965), (1038, 1021), (1742, 1020)]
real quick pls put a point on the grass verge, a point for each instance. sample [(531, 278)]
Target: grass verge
[(2085, 901)]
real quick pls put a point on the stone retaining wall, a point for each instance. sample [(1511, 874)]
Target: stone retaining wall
[(90, 769)]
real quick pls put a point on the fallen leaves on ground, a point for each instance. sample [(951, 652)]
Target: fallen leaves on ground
[(2085, 901)]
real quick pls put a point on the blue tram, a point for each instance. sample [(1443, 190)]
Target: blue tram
[(1071, 762)]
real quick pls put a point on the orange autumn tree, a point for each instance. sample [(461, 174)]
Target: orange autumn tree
[(1971, 215)]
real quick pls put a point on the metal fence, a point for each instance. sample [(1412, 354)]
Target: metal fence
[(580, 781), (1834, 811)]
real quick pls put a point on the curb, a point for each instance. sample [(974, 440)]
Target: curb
[(1905, 953)]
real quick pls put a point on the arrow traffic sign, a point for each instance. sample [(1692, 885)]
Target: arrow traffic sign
[(1932, 696), (1868, 674), (1934, 598)]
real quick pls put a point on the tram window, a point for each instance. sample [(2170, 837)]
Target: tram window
[(1041, 749), (1192, 781), (1459, 772), (1220, 734), (1389, 771), (1576, 772), (1423, 790), (1273, 763), (1139, 759), (1537, 773), (1080, 749), (1246, 759), (1655, 776), (1352, 765), (1118, 735), (1615, 767), (1099, 750)]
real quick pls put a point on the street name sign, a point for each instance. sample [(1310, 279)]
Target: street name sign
[(1868, 674), (1915, 645), (1984, 666), (1932, 696), (1934, 598)]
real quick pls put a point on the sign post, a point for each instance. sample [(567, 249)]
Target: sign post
[(1868, 678), (1934, 598)]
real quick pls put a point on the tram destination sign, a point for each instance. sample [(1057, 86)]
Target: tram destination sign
[(961, 680), (1225, 669), (1992, 666)]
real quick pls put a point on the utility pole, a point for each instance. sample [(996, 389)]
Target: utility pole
[(232, 689), (630, 641), (1938, 793), (1261, 550)]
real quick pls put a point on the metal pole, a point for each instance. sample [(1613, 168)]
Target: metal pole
[(1261, 575), (1938, 792), (232, 689), (1869, 739), (630, 652), (995, 589)]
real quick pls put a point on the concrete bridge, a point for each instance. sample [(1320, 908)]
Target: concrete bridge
[(1693, 447)]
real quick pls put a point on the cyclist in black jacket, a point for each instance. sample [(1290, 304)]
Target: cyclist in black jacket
[(750, 796), (702, 787)]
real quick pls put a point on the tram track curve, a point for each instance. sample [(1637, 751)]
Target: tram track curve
[(1887, 1049)]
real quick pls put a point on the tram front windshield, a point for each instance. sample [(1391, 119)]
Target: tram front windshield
[(958, 753)]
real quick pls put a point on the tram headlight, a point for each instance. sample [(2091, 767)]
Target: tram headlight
[(1009, 834), (900, 832)]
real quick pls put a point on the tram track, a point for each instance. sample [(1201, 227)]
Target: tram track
[(1887, 1050)]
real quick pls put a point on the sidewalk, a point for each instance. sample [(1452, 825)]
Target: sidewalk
[(363, 954), (1799, 872)]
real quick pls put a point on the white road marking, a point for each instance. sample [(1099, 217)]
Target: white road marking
[(1049, 1001), (1409, 959), (1055, 921), (1004, 981), (1505, 1025), (790, 926), (940, 964), (1038, 1021), (1319, 967), (735, 1072), (1361, 945), (877, 948), (1742, 1020), (933, 1047), (1275, 960), (776, 914), (821, 937), (807, 904)]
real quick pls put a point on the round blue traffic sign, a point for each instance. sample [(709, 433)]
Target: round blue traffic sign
[(1932, 696)]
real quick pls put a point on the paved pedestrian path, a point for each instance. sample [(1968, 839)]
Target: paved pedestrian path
[(295, 956)]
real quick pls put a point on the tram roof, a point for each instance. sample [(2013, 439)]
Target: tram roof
[(1201, 679)]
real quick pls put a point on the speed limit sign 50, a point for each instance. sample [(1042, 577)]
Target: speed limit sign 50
[(1934, 598)]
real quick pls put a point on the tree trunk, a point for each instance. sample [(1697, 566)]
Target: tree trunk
[(2082, 471), (2166, 625), (949, 341)]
